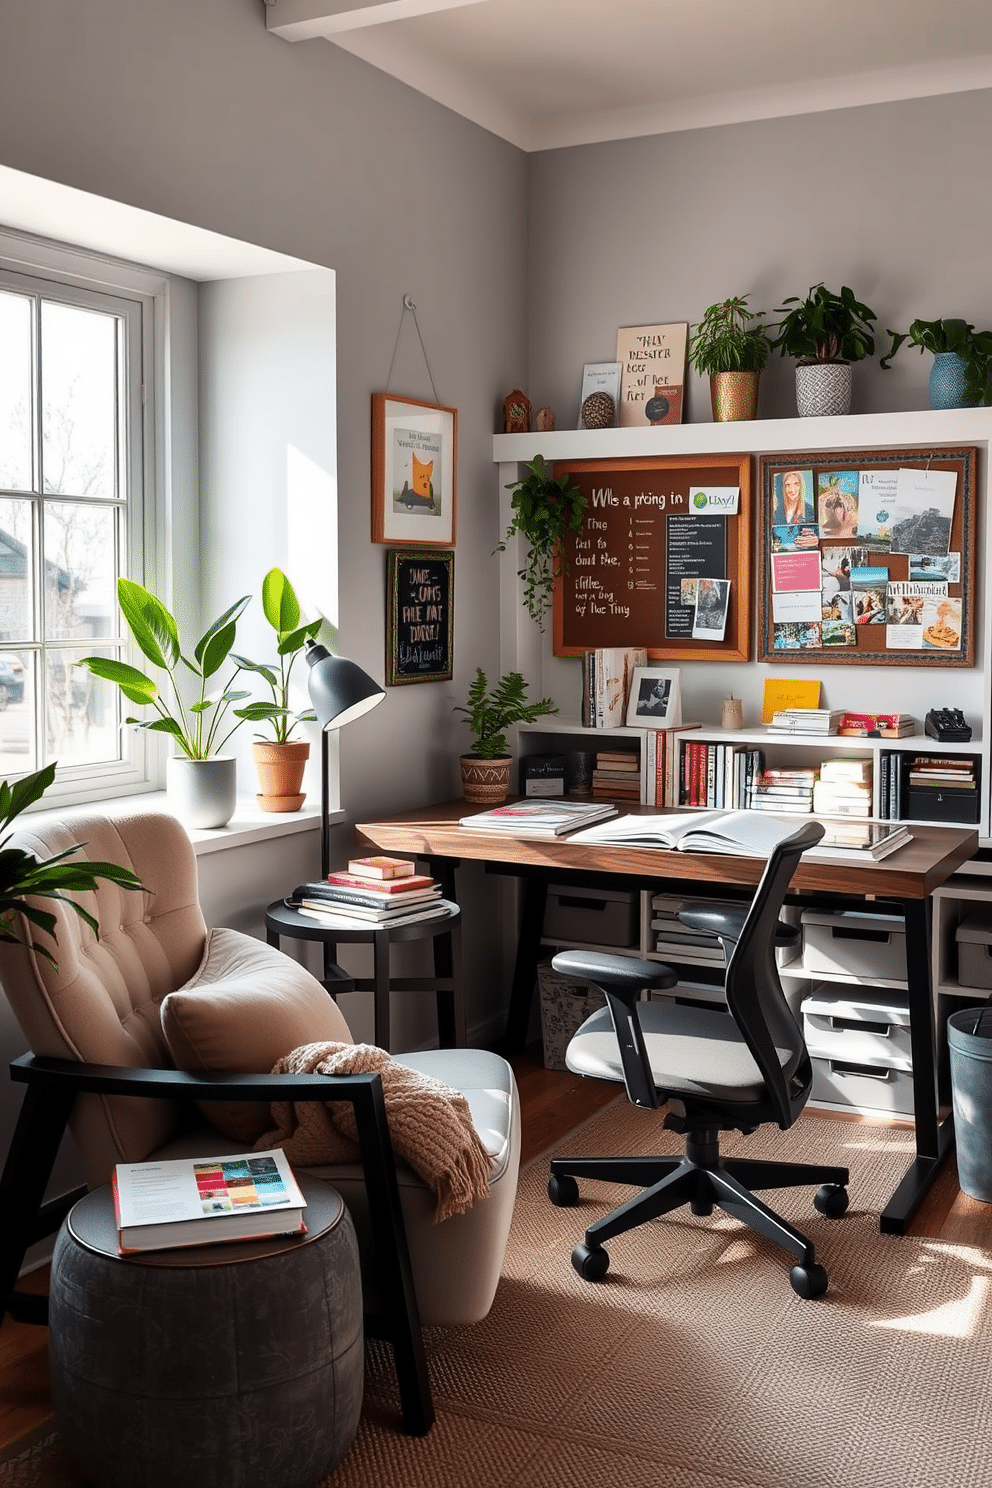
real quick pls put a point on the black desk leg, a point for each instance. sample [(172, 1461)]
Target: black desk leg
[(934, 1139), (525, 964), (380, 987)]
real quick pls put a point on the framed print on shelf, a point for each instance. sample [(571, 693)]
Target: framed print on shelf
[(655, 699), (414, 471)]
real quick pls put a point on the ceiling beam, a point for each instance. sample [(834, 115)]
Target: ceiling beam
[(299, 20)]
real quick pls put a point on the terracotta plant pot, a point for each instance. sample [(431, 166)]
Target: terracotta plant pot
[(485, 782), (280, 774)]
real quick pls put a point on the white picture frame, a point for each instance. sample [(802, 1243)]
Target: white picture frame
[(655, 699)]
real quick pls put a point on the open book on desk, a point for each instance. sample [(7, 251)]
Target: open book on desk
[(741, 834)]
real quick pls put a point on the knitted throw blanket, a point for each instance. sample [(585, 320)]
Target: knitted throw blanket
[(430, 1124)]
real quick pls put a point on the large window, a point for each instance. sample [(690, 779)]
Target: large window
[(74, 369)]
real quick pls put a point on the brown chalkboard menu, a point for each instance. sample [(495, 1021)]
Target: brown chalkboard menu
[(659, 536)]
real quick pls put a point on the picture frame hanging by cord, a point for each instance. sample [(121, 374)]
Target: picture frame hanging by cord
[(414, 471)]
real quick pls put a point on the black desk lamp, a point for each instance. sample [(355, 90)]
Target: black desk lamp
[(340, 692)]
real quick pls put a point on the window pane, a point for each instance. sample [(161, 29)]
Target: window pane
[(15, 392), (17, 561), (79, 387), (82, 722), (18, 746), (80, 571)]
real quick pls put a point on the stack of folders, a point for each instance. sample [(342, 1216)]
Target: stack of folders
[(363, 897), (677, 942), (806, 721), (844, 788)]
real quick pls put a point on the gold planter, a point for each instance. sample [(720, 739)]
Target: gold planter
[(280, 774), (485, 782), (734, 396)]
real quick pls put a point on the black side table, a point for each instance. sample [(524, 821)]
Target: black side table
[(281, 920)]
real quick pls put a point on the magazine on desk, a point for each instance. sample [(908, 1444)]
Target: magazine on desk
[(538, 818), (859, 840), (202, 1200), (741, 834)]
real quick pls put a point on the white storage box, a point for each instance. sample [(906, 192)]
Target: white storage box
[(848, 944), (866, 1028), (565, 1005), (974, 938), (593, 916), (865, 1087)]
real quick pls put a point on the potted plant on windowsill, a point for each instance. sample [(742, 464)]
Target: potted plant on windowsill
[(201, 780), (489, 713), (961, 374), (825, 332), (730, 346), (545, 510), (281, 762)]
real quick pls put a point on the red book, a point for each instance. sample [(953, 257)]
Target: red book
[(385, 887), (382, 867)]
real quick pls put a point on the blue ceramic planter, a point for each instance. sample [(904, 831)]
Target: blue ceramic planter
[(947, 382)]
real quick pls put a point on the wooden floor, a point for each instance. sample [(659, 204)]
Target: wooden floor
[(552, 1103)]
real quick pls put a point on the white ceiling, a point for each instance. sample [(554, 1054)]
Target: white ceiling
[(549, 73)]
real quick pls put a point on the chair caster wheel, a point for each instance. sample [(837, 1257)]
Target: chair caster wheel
[(831, 1200), (563, 1191), (591, 1262), (808, 1281)]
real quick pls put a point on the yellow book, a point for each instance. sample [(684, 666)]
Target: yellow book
[(780, 695)]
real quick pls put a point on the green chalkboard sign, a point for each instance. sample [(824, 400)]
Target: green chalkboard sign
[(420, 592)]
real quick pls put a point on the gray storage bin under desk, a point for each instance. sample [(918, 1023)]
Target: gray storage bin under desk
[(844, 943), (974, 942), (593, 916), (860, 1048)]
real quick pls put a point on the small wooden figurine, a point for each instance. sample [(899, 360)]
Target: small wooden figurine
[(544, 420), (516, 413)]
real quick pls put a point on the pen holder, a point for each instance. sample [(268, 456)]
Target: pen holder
[(732, 714)]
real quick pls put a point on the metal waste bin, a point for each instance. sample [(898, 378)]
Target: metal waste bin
[(969, 1040)]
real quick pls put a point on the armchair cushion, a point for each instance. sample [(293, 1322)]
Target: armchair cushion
[(245, 1007)]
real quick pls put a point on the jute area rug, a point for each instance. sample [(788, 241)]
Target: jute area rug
[(693, 1364)]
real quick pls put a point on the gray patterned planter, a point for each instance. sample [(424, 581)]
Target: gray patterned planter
[(823, 389)]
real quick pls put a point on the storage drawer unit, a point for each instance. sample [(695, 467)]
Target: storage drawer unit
[(848, 944), (974, 941), (865, 1087), (937, 804), (593, 916), (864, 1028)]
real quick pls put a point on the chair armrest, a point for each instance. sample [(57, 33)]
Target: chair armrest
[(727, 922), (109, 1079)]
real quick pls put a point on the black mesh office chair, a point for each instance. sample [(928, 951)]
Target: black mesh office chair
[(717, 1073)]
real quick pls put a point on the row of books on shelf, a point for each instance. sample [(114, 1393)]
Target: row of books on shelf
[(606, 677), (734, 777), (371, 891), (900, 773)]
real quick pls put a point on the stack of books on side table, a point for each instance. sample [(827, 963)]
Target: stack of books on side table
[(844, 788), (373, 892), (203, 1200), (784, 790)]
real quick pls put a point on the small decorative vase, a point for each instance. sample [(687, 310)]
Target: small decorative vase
[(280, 774), (823, 389), (202, 793), (486, 782), (947, 382), (734, 396)]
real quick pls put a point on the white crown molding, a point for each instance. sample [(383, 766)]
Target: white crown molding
[(302, 20)]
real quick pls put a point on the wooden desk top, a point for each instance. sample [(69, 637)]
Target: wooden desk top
[(912, 872)]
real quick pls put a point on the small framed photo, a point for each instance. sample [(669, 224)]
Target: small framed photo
[(414, 470), (655, 698)]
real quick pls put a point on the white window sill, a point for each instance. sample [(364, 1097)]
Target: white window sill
[(248, 824)]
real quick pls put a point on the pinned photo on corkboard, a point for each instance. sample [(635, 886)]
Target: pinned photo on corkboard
[(414, 471)]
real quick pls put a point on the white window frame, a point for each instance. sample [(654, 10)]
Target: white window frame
[(141, 297)]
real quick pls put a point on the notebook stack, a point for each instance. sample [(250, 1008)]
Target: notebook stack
[(784, 790), (844, 788), (617, 775), (378, 891), (806, 721), (885, 725)]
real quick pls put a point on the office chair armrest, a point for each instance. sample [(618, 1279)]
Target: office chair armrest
[(622, 979), (727, 922)]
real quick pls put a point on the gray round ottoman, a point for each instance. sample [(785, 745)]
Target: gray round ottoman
[(237, 1365)]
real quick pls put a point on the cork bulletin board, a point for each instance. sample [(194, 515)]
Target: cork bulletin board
[(867, 556), (657, 532)]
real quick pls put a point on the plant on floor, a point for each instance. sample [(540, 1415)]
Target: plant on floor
[(545, 510), (729, 338), (195, 726), (281, 609), (825, 327), (24, 875), (490, 712), (957, 336)]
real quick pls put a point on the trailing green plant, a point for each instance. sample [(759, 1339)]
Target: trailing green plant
[(729, 338), (825, 327), (196, 726), (491, 712), (281, 609), (958, 336), (545, 510), (24, 875)]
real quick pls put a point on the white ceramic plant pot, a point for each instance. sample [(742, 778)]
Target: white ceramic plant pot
[(202, 793), (823, 389)]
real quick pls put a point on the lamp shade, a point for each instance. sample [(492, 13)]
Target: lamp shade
[(339, 690)]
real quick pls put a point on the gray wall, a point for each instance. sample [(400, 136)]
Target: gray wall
[(891, 199)]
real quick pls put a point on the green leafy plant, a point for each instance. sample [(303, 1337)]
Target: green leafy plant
[(545, 509), (22, 874), (825, 327), (491, 712), (281, 609), (938, 336), (195, 726), (729, 338)]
